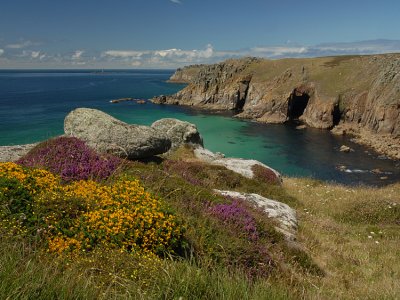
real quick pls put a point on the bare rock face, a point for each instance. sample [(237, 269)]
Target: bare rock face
[(244, 167), (107, 134), (179, 132), (362, 92), (212, 86), (281, 212), (185, 74), (13, 153)]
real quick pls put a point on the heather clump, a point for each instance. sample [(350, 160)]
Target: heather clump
[(71, 159), (236, 216), (264, 174)]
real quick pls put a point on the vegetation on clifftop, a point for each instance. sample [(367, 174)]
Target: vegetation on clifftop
[(156, 230)]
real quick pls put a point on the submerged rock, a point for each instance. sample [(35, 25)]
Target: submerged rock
[(281, 212), (244, 167), (107, 134), (345, 148), (179, 132)]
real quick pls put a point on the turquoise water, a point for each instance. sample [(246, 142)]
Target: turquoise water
[(33, 106)]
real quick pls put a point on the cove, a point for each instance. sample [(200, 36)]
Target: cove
[(33, 105)]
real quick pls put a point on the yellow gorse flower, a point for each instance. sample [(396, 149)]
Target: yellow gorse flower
[(85, 214)]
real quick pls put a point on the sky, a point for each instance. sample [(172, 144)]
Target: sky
[(173, 33)]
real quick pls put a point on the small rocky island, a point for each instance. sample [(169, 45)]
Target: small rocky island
[(357, 95)]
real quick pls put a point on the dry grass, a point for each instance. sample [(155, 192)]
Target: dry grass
[(353, 234)]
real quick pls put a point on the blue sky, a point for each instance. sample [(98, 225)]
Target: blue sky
[(173, 33)]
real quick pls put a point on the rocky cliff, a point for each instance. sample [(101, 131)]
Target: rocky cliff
[(357, 94)]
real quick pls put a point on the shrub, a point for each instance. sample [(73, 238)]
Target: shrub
[(235, 216), (265, 174), (14, 197), (18, 188), (84, 215), (70, 158)]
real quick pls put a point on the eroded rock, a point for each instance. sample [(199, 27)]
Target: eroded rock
[(179, 132), (107, 134), (345, 149), (281, 212), (360, 91), (244, 167), (13, 153)]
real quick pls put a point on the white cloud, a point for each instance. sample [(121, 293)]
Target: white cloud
[(136, 64), (176, 1), (35, 54), (164, 57), (189, 55), (176, 57), (279, 51), (22, 44), (77, 55), (125, 54)]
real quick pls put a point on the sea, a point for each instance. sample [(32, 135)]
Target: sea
[(34, 103)]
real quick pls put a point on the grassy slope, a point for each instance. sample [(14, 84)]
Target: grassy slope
[(353, 234), (333, 75), (335, 223)]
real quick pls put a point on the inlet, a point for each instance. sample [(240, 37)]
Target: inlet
[(297, 104)]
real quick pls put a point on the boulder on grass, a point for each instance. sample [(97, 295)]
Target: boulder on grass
[(281, 212), (179, 132), (249, 168), (108, 135)]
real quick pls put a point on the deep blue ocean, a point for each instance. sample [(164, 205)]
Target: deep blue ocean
[(33, 105)]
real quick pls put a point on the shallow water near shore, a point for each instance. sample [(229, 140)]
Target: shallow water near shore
[(33, 105)]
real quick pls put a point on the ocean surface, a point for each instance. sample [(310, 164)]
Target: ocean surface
[(33, 105)]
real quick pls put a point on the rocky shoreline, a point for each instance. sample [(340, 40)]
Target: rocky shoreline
[(108, 135), (383, 144), (15, 152), (355, 95)]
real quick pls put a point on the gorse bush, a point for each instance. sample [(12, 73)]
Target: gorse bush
[(123, 216), (72, 159), (84, 215), (18, 189)]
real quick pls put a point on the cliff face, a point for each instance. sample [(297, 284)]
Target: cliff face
[(357, 92)]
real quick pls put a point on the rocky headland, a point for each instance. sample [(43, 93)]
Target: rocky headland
[(357, 95)]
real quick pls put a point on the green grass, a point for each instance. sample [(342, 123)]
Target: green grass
[(347, 245), (25, 274)]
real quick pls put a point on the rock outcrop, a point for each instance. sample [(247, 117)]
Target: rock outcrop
[(244, 167), (360, 92), (13, 153), (185, 74), (281, 212), (179, 132), (107, 134)]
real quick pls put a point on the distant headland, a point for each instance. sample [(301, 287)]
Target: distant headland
[(357, 95)]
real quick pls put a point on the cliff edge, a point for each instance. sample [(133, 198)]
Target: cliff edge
[(349, 94)]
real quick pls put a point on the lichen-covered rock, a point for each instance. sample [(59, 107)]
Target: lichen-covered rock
[(281, 212), (13, 153), (244, 167), (179, 132), (107, 134)]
